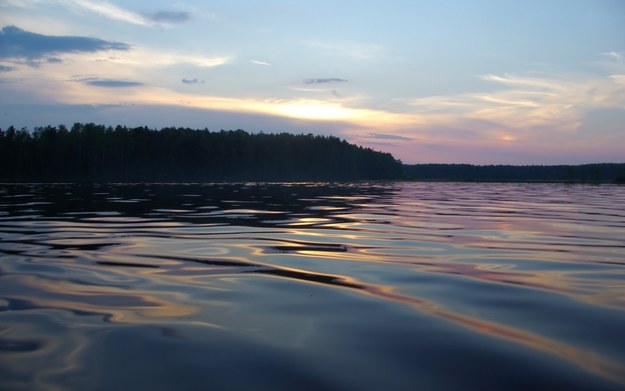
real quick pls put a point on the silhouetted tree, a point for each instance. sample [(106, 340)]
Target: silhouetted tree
[(90, 152)]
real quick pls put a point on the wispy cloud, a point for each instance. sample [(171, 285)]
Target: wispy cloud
[(148, 58), (18, 43), (169, 17), (192, 81), (298, 109), (20, 3), (528, 107), (618, 79), (6, 68), (110, 83), (328, 80), (557, 98), (384, 136), (614, 55), (258, 62), (197, 60), (544, 84), (110, 11)]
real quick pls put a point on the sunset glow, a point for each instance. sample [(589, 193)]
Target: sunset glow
[(370, 75)]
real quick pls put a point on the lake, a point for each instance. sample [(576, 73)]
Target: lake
[(334, 286)]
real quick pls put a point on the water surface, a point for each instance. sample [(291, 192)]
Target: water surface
[(333, 286)]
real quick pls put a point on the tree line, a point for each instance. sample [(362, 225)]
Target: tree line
[(90, 152), (600, 172)]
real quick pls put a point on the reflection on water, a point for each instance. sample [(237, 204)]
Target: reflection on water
[(340, 286)]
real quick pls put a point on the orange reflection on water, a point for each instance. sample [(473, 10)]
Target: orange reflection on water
[(34, 370), (489, 272), (118, 305), (584, 359)]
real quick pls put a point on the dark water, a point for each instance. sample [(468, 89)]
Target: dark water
[(397, 286)]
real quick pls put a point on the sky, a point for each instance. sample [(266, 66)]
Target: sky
[(480, 81)]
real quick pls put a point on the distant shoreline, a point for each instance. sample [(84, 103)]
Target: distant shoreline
[(2, 183), (583, 173)]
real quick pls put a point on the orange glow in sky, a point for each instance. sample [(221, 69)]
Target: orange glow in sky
[(442, 89)]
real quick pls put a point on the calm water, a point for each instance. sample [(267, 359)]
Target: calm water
[(333, 286)]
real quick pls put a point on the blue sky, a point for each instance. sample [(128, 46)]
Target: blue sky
[(487, 82)]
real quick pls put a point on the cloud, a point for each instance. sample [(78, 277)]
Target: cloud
[(110, 11), (297, 109), (328, 80), (192, 81), (5, 68), (525, 108), (159, 58), (615, 55), (258, 62), (18, 43), (165, 59), (382, 136), (111, 83), (114, 12), (169, 17), (618, 79), (54, 60)]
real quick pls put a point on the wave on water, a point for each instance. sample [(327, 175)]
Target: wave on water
[(338, 285)]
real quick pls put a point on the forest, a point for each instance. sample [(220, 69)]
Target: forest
[(90, 152), (589, 173)]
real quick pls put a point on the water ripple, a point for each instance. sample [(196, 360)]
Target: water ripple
[(525, 278)]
